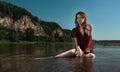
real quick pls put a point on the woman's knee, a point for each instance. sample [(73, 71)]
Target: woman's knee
[(90, 55), (72, 51)]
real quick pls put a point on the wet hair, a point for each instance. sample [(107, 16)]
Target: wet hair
[(83, 15)]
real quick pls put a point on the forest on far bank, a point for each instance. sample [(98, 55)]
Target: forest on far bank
[(107, 42)]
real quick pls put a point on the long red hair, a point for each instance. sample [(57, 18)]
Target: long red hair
[(83, 15)]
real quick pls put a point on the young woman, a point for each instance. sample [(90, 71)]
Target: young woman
[(82, 36)]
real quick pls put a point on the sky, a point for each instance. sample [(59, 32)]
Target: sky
[(104, 15)]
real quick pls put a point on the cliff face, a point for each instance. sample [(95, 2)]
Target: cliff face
[(18, 19), (22, 24), (58, 32)]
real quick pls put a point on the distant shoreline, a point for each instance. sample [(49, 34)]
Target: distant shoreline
[(107, 42), (103, 43)]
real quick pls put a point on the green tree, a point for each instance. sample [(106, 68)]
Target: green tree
[(3, 34), (13, 35), (29, 34)]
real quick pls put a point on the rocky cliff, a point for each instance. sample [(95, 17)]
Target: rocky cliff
[(18, 19), (22, 24)]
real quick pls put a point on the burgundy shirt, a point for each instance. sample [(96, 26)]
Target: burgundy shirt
[(84, 41)]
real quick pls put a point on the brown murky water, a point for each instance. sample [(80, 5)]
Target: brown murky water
[(38, 58)]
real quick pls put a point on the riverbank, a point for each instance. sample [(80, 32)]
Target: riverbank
[(103, 43), (31, 42), (19, 42)]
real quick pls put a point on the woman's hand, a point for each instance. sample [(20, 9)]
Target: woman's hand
[(78, 51)]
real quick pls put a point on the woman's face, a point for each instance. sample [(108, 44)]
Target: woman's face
[(80, 19)]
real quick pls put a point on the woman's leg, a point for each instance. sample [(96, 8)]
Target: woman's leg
[(71, 53), (68, 53), (92, 55)]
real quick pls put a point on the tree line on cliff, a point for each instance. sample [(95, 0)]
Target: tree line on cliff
[(52, 31)]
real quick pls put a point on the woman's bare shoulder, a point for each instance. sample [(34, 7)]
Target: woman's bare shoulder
[(89, 26)]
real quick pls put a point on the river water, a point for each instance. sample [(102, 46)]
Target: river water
[(38, 58)]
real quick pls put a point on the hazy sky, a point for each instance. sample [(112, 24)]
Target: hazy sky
[(104, 15)]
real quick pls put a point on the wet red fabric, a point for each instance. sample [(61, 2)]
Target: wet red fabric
[(84, 41)]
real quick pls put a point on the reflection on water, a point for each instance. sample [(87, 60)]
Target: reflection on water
[(83, 65), (47, 65), (37, 58), (32, 49)]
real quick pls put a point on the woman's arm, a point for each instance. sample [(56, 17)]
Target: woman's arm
[(89, 32), (89, 29), (78, 50)]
